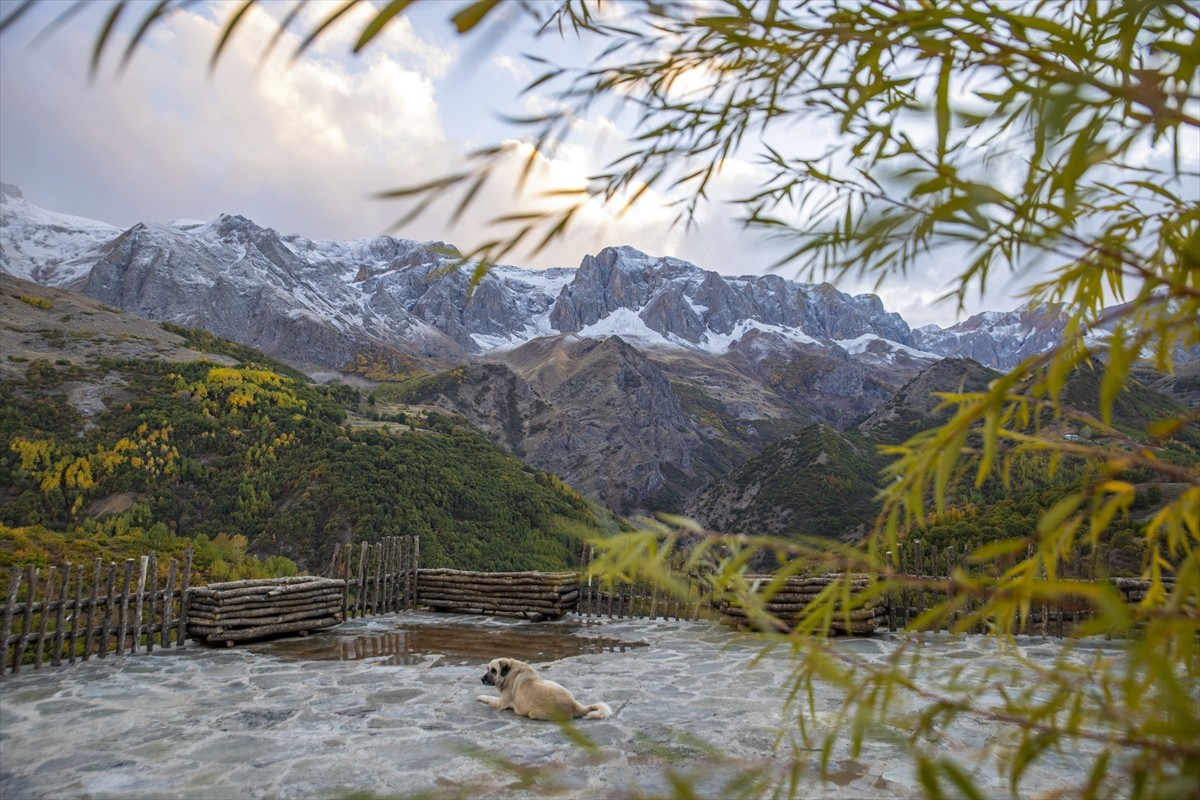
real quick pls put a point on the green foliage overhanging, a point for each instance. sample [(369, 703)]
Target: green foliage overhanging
[(1008, 136)]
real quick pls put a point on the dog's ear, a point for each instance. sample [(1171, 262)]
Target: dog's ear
[(505, 666)]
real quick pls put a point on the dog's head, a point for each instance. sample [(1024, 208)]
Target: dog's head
[(499, 669)]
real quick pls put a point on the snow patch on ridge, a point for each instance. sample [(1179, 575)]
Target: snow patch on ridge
[(860, 345)]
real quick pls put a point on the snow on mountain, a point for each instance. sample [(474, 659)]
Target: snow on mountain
[(236, 278), (41, 245), (996, 339), (885, 351)]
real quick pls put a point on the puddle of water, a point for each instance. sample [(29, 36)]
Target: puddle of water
[(414, 644), (844, 773)]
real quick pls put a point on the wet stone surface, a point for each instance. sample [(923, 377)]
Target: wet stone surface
[(407, 643), (386, 707)]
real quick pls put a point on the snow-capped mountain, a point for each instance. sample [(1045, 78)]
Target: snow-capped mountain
[(635, 377), (41, 245), (319, 302), (996, 339)]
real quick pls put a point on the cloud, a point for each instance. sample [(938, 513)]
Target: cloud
[(299, 146), (519, 70), (302, 146)]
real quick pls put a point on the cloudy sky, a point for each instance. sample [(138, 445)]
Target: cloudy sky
[(302, 146)]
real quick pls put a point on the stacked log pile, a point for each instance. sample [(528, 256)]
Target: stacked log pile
[(240, 611), (790, 602), (1134, 590), (534, 595)]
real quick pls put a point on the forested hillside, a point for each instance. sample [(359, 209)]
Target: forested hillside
[(824, 482), (246, 455), (820, 482)]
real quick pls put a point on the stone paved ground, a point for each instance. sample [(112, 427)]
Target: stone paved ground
[(361, 711)]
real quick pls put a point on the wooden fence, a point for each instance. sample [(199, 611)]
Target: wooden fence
[(642, 599), (57, 615), (536, 596), (381, 578), (931, 572), (926, 571), (60, 616)]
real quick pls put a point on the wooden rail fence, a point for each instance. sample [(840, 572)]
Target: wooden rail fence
[(642, 599), (381, 577), (59, 615), (932, 572)]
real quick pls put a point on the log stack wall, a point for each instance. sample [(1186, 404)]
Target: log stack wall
[(794, 599), (240, 611), (533, 595)]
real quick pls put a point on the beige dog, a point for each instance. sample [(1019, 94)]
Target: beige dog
[(528, 695)]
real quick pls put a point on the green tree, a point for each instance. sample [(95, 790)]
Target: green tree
[(1056, 135)]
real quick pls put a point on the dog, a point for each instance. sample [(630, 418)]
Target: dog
[(530, 696)]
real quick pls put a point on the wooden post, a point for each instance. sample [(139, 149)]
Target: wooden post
[(410, 575), (77, 610), (393, 571), (168, 604), (889, 597), (89, 633), (903, 586), (377, 594), (385, 575), (919, 567), (965, 565), (45, 618), (945, 558), (398, 573), (144, 563), (108, 609), (1078, 576), (333, 562), (585, 584), (362, 579), (401, 571), (935, 595), (1045, 620), (9, 609), (345, 575), (27, 621), (150, 622), (60, 621), (611, 590), (184, 599), (416, 566), (1061, 610), (123, 608)]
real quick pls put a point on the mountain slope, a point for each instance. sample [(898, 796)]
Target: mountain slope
[(820, 482), (638, 378), (113, 430)]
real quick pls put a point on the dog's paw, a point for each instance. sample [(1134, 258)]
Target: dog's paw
[(487, 700)]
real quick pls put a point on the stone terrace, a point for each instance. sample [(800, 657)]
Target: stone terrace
[(385, 707)]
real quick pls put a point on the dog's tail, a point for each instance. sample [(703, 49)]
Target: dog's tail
[(598, 711)]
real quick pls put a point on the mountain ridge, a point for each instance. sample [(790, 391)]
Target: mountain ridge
[(636, 378)]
